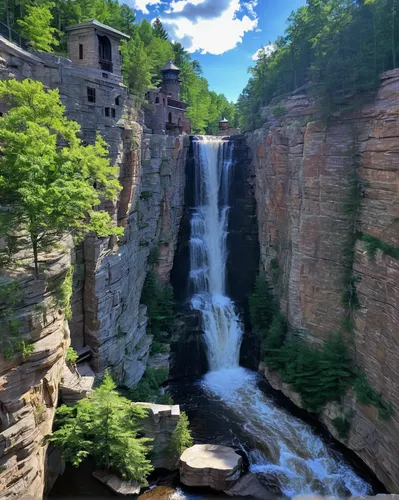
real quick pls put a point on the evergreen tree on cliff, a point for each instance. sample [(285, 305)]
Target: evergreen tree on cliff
[(47, 176), (105, 426), (159, 30), (36, 26)]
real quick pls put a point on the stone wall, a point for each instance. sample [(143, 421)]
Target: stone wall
[(303, 176)]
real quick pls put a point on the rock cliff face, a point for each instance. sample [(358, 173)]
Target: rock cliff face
[(29, 384), (108, 276), (305, 172)]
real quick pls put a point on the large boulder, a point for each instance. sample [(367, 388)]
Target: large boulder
[(116, 484), (250, 486), (214, 466)]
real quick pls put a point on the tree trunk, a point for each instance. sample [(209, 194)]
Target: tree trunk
[(7, 7), (35, 256)]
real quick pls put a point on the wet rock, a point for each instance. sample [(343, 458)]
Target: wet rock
[(249, 485), (160, 493), (214, 466), (116, 484)]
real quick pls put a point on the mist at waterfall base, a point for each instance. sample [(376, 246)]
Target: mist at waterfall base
[(285, 453)]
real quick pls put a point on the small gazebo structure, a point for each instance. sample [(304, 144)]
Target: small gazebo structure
[(223, 124)]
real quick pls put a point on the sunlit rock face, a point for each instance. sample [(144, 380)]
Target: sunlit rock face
[(303, 170), (108, 276), (29, 387)]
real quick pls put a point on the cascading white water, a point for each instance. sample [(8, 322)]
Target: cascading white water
[(285, 452), (208, 252)]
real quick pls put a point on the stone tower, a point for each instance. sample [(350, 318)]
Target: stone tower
[(170, 80), (94, 45)]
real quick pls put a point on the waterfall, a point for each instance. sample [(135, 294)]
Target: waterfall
[(286, 452), (208, 252)]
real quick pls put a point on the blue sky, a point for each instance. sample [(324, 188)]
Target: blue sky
[(224, 35)]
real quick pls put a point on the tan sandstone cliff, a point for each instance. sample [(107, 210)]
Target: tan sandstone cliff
[(108, 275), (304, 169)]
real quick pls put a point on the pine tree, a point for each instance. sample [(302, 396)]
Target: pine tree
[(36, 26), (105, 426), (159, 30), (47, 176), (181, 437)]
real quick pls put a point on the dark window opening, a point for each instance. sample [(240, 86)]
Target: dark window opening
[(164, 102), (80, 51), (117, 100), (170, 118), (113, 112), (91, 94), (106, 111), (105, 53), (157, 100), (105, 75)]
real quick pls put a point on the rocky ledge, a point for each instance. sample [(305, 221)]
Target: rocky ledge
[(214, 466)]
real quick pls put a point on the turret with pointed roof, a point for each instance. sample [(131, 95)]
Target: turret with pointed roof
[(170, 80)]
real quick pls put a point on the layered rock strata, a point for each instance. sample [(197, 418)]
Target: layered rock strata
[(305, 173), (108, 277), (29, 383), (214, 466)]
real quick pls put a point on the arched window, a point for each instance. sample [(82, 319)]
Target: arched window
[(117, 100), (157, 100), (179, 122), (164, 102), (170, 117), (105, 53)]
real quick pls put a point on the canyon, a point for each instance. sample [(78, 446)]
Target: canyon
[(292, 178)]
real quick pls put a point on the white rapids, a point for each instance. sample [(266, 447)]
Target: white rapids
[(286, 452)]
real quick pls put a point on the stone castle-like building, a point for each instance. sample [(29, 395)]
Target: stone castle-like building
[(92, 78), (166, 109)]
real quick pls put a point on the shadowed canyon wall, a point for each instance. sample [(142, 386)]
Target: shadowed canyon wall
[(305, 173), (108, 275)]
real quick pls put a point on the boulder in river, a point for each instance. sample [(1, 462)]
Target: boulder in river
[(249, 485), (207, 465), (116, 484)]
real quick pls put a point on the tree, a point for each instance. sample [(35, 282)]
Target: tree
[(47, 176), (136, 66), (36, 26), (181, 436), (159, 30), (105, 426)]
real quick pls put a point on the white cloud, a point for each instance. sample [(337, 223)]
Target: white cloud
[(267, 50), (143, 4), (208, 26)]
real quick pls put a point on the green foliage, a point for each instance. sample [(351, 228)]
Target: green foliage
[(147, 390), (181, 436), (145, 195), (36, 26), (11, 345), (275, 271), (106, 427), (279, 111), (374, 244), (160, 307), (159, 30), (369, 396), (64, 293), (335, 49), (47, 176), (71, 356), (351, 209), (343, 426), (262, 305)]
